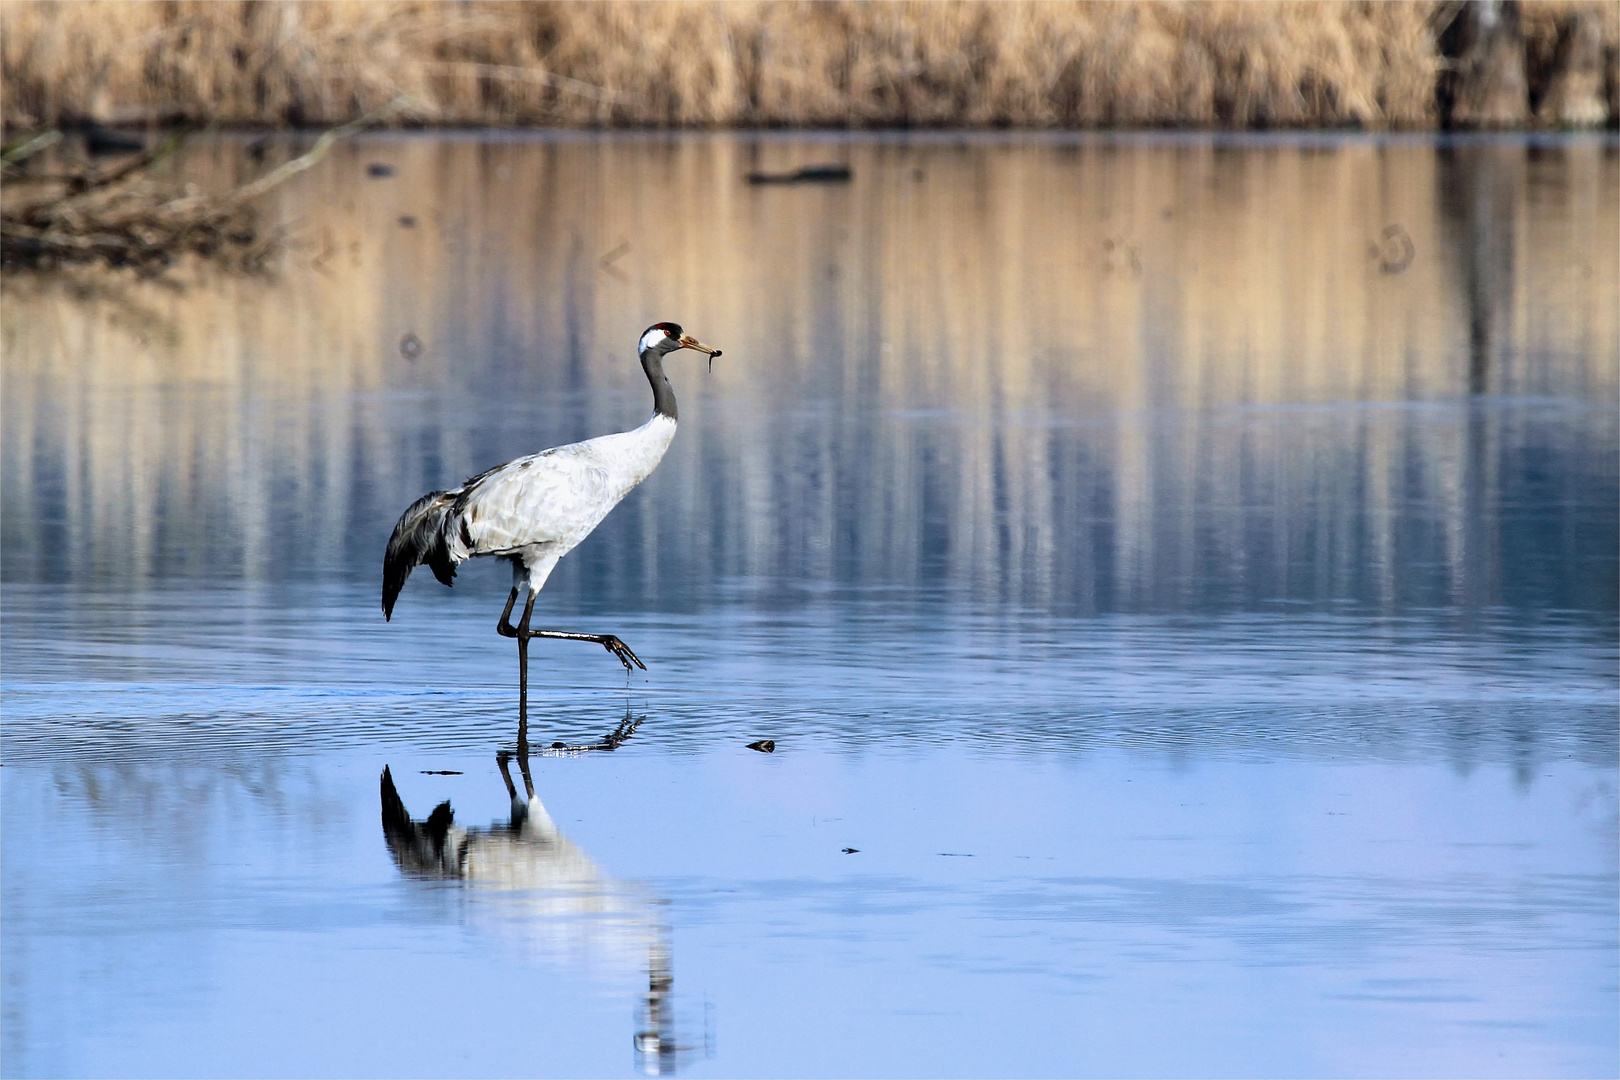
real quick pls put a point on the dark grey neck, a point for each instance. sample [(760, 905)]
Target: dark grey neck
[(652, 362)]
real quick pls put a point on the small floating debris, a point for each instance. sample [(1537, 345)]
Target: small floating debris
[(378, 170), (100, 140), (955, 854), (410, 346), (441, 772), (810, 174), (852, 851), (764, 746), (406, 221)]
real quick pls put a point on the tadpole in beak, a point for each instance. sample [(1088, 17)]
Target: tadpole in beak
[(689, 342)]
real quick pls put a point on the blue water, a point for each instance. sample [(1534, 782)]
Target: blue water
[(1189, 645)]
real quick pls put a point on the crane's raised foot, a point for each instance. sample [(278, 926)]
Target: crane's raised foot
[(622, 651)]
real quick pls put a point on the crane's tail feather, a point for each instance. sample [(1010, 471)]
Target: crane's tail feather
[(418, 538)]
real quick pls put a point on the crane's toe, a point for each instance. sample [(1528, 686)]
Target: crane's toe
[(623, 652)]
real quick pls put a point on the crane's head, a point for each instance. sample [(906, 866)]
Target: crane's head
[(666, 337)]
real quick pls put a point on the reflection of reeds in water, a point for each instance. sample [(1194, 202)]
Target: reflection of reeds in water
[(749, 63), (1088, 374)]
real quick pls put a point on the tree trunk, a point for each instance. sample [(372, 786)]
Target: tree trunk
[(1490, 88)]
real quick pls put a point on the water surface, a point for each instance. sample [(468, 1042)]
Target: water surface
[(1180, 571)]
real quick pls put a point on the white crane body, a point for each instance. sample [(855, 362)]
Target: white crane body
[(533, 510)]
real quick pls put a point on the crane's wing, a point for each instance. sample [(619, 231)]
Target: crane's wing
[(552, 498), (418, 538)]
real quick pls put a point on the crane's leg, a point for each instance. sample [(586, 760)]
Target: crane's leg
[(606, 640), (520, 807), (523, 664), (506, 629), (609, 642), (523, 682), (521, 631)]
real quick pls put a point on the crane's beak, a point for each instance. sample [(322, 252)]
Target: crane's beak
[(689, 342)]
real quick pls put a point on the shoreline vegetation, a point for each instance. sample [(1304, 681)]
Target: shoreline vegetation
[(120, 215), (1408, 65)]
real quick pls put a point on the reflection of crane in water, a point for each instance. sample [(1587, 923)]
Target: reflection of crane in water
[(567, 904), (534, 510)]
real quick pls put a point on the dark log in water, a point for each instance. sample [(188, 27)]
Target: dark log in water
[(810, 174)]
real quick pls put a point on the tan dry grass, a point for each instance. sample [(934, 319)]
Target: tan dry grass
[(1043, 63)]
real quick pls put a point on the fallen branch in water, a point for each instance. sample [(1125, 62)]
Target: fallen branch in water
[(122, 217)]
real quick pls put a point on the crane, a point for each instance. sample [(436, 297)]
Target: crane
[(533, 510)]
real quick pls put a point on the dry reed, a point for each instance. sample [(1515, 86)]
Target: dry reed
[(1046, 63)]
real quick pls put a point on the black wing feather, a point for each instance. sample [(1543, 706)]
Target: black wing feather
[(417, 539)]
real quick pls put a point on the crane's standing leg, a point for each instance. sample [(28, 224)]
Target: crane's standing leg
[(506, 629), (523, 636)]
